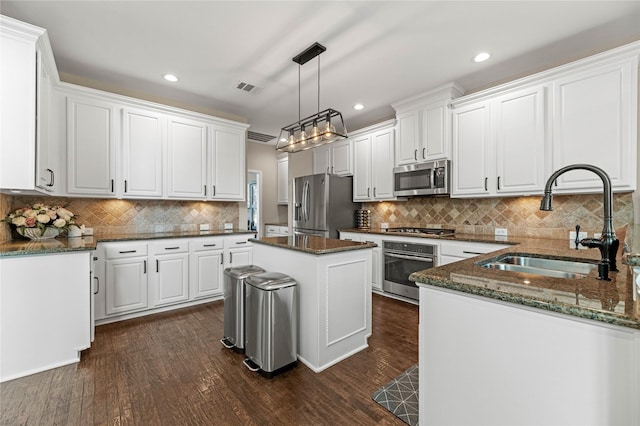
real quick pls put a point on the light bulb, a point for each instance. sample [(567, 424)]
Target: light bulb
[(291, 139), (303, 136), (315, 132), (329, 130)]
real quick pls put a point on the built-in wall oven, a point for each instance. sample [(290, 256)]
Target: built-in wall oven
[(403, 259)]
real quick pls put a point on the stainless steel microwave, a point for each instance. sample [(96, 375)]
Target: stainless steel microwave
[(430, 178)]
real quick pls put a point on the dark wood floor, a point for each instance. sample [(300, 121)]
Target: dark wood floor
[(170, 369)]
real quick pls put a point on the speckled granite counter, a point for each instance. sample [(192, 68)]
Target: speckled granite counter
[(610, 302), (313, 245), (61, 245)]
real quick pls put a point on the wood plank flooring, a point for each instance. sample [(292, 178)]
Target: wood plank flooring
[(170, 369)]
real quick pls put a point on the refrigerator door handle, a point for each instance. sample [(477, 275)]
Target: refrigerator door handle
[(305, 202)]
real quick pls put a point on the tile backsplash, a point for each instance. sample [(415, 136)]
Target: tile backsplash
[(127, 216), (520, 215)]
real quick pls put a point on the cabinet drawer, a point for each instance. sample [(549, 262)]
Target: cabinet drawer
[(273, 229), (237, 241), (122, 250), (467, 250), (169, 246), (202, 244), (284, 230)]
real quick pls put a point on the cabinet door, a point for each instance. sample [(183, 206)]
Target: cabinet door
[(171, 279), (228, 164), (519, 132), (376, 269), (46, 162), (341, 163), (142, 147), (407, 143), (322, 159), (435, 137), (283, 180), (205, 275), (186, 158), (126, 285), (362, 168), (91, 139), (471, 143), (240, 256), (594, 123), (382, 164)]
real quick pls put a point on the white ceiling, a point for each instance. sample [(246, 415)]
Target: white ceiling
[(378, 52)]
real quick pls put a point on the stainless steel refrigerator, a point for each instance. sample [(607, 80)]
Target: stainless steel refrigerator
[(323, 204)]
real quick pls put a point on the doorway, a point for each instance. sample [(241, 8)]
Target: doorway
[(254, 211)]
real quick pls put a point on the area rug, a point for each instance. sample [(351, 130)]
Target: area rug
[(400, 396)]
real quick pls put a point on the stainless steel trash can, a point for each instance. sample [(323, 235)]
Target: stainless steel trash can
[(234, 295), (271, 323)]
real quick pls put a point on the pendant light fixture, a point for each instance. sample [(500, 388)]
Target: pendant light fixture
[(323, 127)]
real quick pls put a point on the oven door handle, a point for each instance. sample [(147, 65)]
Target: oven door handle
[(419, 258)]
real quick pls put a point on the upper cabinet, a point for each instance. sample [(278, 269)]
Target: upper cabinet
[(594, 122), (508, 139), (373, 164), (28, 159), (424, 126), (335, 158), (91, 146), (499, 145), (123, 147)]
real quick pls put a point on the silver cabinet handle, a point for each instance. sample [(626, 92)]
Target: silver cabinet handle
[(205, 190), (157, 265), (98, 282), (172, 248), (485, 184), (51, 177), (231, 258), (471, 252), (374, 192), (368, 192), (498, 183), (222, 259), (424, 156), (145, 267), (125, 186), (241, 242), (213, 194), (127, 251), (209, 245), (112, 185), (415, 154)]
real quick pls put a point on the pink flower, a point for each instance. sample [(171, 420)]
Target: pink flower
[(30, 222)]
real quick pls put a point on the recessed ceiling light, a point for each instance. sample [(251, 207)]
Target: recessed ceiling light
[(481, 57), (170, 77), (358, 107)]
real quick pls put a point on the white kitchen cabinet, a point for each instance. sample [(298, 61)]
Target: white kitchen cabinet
[(142, 153), (170, 282), (277, 231), (424, 126), (499, 145), (227, 163), (377, 273), (373, 165), (283, 179), (206, 267), (238, 250), (126, 278), (594, 122), (187, 158), (335, 158), (453, 251), (91, 146), (27, 74)]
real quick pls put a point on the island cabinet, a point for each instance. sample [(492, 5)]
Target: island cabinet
[(334, 295), (373, 165), (509, 364), (44, 312), (28, 143)]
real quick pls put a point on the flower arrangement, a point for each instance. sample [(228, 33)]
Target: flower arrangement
[(40, 221)]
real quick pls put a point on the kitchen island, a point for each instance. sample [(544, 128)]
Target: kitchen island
[(334, 293), (501, 347)]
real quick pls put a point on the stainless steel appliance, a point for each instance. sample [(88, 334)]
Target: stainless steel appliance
[(403, 259), (422, 231), (322, 204), (430, 178)]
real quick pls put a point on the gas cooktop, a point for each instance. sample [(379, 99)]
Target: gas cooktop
[(424, 231)]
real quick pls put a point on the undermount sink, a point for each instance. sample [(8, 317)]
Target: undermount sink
[(546, 266)]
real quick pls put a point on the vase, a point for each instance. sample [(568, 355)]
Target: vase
[(48, 233)]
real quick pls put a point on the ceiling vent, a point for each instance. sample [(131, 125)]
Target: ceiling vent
[(259, 137), (248, 87)]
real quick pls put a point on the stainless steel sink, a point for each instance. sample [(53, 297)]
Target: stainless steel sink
[(546, 266)]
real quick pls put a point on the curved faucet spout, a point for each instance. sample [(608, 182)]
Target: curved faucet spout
[(608, 243)]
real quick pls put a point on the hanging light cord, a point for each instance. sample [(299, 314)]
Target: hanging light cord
[(318, 83), (299, 115)]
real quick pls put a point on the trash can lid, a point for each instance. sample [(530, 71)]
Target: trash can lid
[(270, 281), (241, 272)]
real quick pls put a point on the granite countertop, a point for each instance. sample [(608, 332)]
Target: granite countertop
[(313, 245), (61, 245), (610, 302)]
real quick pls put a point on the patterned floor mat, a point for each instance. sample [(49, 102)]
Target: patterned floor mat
[(400, 396)]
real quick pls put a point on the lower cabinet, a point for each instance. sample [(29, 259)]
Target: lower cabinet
[(137, 277), (453, 251)]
